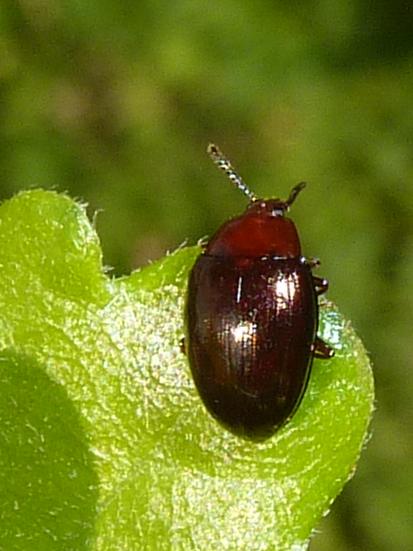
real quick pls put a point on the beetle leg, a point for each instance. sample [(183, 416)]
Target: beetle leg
[(203, 243), (320, 285), (313, 262), (182, 345), (322, 350)]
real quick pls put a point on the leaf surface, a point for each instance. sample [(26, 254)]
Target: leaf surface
[(105, 444)]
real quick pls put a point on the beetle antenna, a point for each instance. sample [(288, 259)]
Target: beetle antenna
[(224, 164), (294, 192)]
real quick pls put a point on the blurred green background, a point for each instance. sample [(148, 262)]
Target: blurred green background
[(115, 102)]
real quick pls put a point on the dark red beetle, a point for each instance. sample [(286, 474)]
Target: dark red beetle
[(252, 316)]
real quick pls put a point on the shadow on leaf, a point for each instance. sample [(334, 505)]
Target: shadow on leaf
[(48, 485)]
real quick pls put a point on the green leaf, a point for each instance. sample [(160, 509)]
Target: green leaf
[(105, 444)]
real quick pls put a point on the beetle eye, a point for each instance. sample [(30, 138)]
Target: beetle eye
[(278, 211)]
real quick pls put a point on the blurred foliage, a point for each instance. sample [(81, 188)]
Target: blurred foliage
[(115, 102)]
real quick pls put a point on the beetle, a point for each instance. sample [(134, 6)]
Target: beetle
[(252, 316)]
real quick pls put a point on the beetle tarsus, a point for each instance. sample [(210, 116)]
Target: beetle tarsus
[(312, 262), (182, 345), (320, 285), (322, 350)]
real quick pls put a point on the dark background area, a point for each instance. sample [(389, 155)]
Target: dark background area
[(115, 103)]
